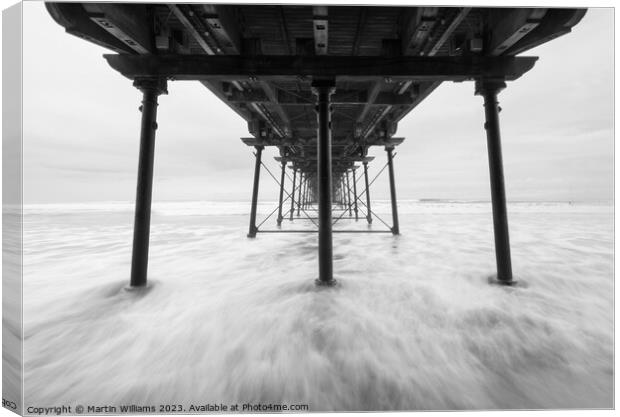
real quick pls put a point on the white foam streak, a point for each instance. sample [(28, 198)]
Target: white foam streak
[(413, 324)]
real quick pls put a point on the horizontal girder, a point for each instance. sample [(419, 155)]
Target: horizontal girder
[(236, 67)]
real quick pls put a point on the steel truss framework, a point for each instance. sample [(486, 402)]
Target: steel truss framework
[(345, 198)]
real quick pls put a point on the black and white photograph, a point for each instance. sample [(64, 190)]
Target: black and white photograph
[(296, 207)]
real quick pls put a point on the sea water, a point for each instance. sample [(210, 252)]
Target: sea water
[(413, 323)]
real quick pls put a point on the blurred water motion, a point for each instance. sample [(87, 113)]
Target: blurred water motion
[(412, 325)]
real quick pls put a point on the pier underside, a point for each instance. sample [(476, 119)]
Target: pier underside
[(322, 84)]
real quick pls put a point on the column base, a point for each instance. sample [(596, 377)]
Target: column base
[(139, 289), (493, 280), (330, 283)]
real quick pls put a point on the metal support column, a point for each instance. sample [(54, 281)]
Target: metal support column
[(151, 89), (369, 215), (293, 193), (395, 228), (281, 192), (349, 195), (323, 89), (343, 201), (305, 197), (355, 195), (301, 182), (253, 228), (489, 90)]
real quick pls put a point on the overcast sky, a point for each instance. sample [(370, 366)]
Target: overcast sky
[(81, 129)]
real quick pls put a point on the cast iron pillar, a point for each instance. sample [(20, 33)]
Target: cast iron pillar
[(489, 90), (323, 89), (342, 198), (349, 196), (305, 196), (347, 193), (355, 195), (151, 89), (301, 182), (253, 228), (281, 192), (293, 193), (369, 215), (339, 198), (395, 228)]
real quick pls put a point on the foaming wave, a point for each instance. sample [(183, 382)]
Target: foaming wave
[(412, 324)]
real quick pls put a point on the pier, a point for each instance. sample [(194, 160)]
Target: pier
[(322, 85)]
